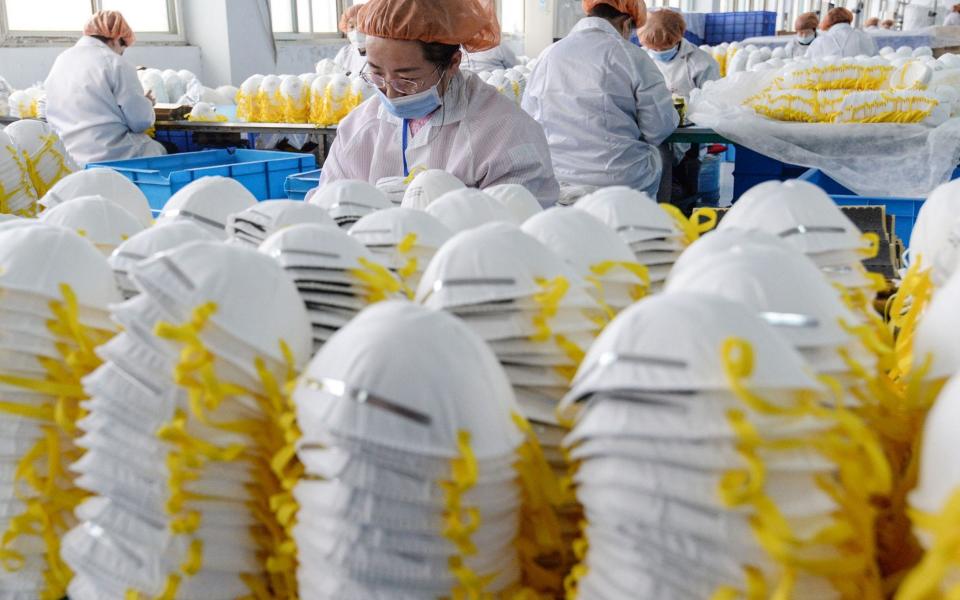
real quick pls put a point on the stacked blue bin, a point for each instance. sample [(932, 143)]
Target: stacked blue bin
[(738, 26)]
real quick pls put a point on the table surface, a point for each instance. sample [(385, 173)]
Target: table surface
[(696, 135), (291, 128)]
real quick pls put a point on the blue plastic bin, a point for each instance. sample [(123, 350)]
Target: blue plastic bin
[(297, 186), (904, 209), (262, 172), (752, 168), (738, 26)]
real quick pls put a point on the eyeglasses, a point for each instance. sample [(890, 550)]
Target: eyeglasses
[(402, 86)]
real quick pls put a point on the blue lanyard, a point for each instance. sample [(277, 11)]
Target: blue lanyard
[(403, 147)]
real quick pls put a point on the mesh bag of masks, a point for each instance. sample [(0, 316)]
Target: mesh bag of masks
[(417, 468), (56, 288), (185, 422), (711, 461), (318, 98)]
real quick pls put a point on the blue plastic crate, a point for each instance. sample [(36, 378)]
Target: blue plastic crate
[(297, 186), (262, 172), (904, 209)]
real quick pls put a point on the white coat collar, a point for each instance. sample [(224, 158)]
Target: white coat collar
[(841, 27), (595, 23), (686, 49), (91, 42)]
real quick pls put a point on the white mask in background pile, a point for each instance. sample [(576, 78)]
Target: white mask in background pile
[(403, 239), (147, 243), (596, 252), (467, 208), (101, 182), (129, 539), (371, 431), (659, 400), (347, 200), (262, 220), (209, 201), (804, 216), (517, 199), (335, 274), (652, 234), (429, 186), (45, 343), (102, 221)]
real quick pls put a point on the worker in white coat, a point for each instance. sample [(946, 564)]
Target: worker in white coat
[(602, 102), (685, 68), (806, 26), (953, 17), (428, 114), (94, 99), (839, 38), (352, 57), (500, 57)]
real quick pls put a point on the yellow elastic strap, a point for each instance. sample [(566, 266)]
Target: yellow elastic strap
[(378, 279), (413, 174)]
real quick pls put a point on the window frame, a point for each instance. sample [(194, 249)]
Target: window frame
[(297, 36), (175, 35)]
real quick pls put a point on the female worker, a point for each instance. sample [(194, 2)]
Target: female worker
[(685, 68), (429, 115), (94, 98), (872, 24), (840, 38), (953, 17), (493, 59), (806, 27), (352, 57), (602, 102)]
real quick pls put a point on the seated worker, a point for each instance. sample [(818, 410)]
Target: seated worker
[(951, 20), (887, 24), (806, 27), (602, 102), (352, 57), (685, 68), (840, 39), (872, 24), (94, 99)]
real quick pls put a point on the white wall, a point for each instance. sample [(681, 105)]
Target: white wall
[(23, 67)]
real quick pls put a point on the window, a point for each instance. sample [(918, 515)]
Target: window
[(295, 18), (511, 16), (150, 19)]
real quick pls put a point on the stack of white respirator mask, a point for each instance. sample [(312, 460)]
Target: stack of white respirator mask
[(209, 202), (428, 186), (403, 239), (100, 182), (186, 430), (43, 153), (56, 288), (102, 221), (19, 196), (347, 200), (710, 460), (467, 208), (336, 275), (517, 199), (260, 221), (148, 242)]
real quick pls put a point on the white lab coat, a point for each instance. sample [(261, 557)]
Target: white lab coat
[(604, 106), (96, 103), (952, 20), (478, 135), (500, 57), (689, 70), (844, 41), (794, 49), (350, 60)]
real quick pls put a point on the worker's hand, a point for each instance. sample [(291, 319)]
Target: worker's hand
[(151, 98)]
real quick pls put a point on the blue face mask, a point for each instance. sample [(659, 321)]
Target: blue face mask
[(414, 106), (664, 55)]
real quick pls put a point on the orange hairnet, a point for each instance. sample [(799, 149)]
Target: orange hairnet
[(664, 29), (888, 23), (835, 16), (637, 9), (349, 15), (469, 23), (111, 25), (955, 8), (873, 22), (806, 21)]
